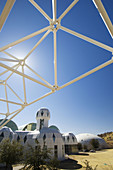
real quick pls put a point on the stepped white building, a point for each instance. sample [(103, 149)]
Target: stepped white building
[(51, 137)]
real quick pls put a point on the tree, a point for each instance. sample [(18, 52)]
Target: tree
[(37, 158), (10, 152), (94, 143)]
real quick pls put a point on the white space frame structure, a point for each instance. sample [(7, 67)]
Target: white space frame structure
[(54, 26)]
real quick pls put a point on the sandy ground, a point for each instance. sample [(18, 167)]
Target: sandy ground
[(104, 159)]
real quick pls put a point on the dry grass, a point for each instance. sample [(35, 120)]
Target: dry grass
[(104, 159)]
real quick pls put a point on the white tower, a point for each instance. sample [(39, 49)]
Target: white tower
[(42, 116)]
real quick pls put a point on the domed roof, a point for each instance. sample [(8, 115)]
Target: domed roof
[(43, 113), (85, 138), (69, 138), (11, 124), (54, 127), (6, 132)]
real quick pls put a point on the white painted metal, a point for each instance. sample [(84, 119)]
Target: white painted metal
[(54, 9), (6, 99), (106, 47), (25, 100), (55, 58), (40, 9), (104, 16), (24, 38), (14, 93), (7, 70), (9, 60), (8, 6), (54, 26), (36, 45), (68, 9), (87, 73), (10, 55), (40, 98), (24, 75), (38, 75)]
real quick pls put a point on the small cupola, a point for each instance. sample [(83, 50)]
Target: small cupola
[(42, 116)]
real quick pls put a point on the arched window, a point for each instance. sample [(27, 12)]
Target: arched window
[(10, 136), (25, 139), (68, 138), (42, 113), (44, 137), (54, 138), (73, 138), (18, 138), (1, 136)]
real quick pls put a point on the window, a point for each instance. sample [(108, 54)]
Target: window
[(73, 138), (42, 113), (25, 138), (55, 151), (10, 136), (41, 123), (64, 139), (44, 137), (1, 136), (54, 138), (68, 138), (18, 138)]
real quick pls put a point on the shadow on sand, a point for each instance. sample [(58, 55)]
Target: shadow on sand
[(69, 164)]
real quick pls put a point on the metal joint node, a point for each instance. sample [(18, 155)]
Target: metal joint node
[(22, 62)]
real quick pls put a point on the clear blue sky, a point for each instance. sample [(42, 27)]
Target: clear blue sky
[(85, 106)]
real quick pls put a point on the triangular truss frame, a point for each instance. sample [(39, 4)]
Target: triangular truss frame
[(54, 26)]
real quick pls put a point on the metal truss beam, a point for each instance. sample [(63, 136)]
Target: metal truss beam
[(25, 38), (24, 75), (86, 74), (104, 16), (8, 6), (106, 47)]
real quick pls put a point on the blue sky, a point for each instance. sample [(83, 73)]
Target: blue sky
[(85, 106)]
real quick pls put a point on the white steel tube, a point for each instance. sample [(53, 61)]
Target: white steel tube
[(40, 9), (104, 16), (9, 60), (11, 118), (2, 114), (87, 73), (15, 93), (55, 57), (8, 70), (36, 45), (26, 76), (38, 75), (14, 111), (3, 120), (68, 9), (24, 38), (106, 47), (24, 88), (12, 73), (8, 101), (8, 6), (10, 55), (54, 9), (40, 98)]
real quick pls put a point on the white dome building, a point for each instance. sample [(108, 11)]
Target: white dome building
[(70, 143), (86, 138), (6, 133), (49, 137)]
